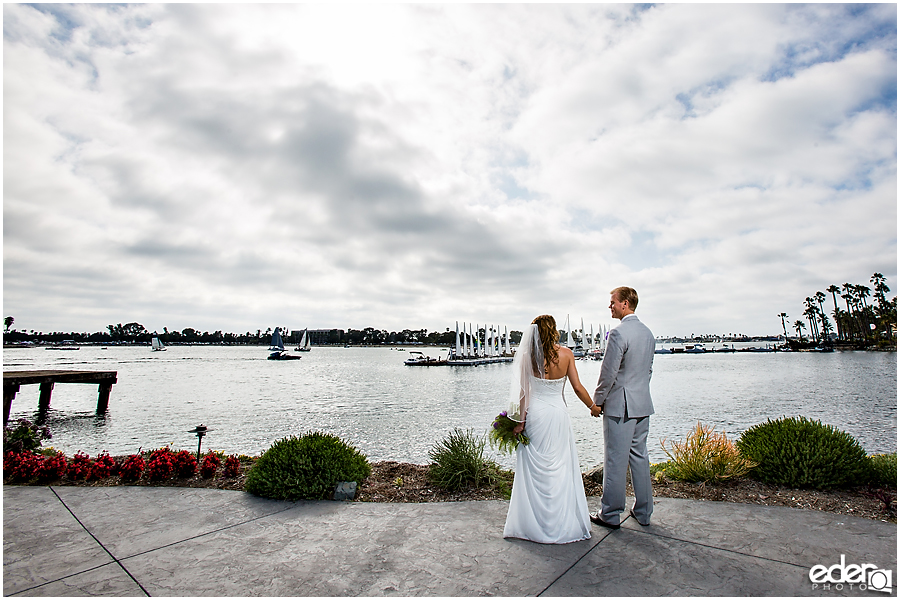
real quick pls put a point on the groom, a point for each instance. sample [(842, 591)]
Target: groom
[(623, 395)]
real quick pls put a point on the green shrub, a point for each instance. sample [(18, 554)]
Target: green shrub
[(801, 453), (883, 469), (24, 437), (705, 456), (458, 461), (306, 468)]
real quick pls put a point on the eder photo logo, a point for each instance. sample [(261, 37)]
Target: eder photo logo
[(859, 577)]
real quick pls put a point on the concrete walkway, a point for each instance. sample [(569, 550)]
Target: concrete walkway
[(166, 541)]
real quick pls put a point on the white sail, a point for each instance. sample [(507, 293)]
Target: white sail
[(570, 343), (305, 339), (592, 337), (582, 332), (156, 345), (506, 338), (471, 342), (457, 339)]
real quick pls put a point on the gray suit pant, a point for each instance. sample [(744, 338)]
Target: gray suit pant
[(625, 444)]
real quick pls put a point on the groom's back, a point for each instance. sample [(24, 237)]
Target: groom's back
[(637, 365)]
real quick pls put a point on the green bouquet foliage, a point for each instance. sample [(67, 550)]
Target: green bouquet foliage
[(458, 460), (883, 469), (306, 468), (800, 453), (503, 437)]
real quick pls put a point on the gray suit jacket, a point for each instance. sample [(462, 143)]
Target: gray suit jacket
[(626, 370)]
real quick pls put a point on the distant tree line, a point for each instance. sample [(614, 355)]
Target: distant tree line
[(135, 333), (858, 322)]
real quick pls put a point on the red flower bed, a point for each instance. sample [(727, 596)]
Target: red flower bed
[(185, 464), (79, 467), (161, 465), (209, 466), (53, 467), (232, 466), (132, 468), (104, 466), (21, 466)]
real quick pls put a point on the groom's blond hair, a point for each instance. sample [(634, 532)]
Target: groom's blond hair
[(626, 294)]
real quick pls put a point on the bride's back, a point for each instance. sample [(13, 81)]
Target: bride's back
[(559, 369)]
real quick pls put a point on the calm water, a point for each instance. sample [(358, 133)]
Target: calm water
[(389, 411)]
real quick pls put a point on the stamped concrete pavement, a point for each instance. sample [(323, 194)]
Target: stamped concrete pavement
[(135, 541)]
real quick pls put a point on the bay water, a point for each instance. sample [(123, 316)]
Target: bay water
[(391, 411)]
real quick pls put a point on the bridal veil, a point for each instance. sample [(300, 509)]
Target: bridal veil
[(527, 365)]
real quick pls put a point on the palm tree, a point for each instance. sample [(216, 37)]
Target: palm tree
[(863, 292), (783, 317), (848, 296), (799, 326), (8, 321), (826, 326), (811, 313), (834, 290)]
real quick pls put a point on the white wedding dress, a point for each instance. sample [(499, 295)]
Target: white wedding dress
[(548, 503)]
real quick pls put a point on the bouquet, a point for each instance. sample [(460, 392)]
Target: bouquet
[(502, 436)]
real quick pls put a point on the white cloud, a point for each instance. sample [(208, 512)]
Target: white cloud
[(234, 166)]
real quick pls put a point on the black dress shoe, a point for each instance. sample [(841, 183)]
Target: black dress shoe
[(638, 521), (596, 519)]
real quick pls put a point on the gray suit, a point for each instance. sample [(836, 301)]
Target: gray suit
[(624, 393)]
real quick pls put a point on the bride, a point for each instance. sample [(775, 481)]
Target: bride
[(548, 503)]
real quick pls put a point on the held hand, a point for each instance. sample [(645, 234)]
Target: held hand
[(596, 411), (519, 428)]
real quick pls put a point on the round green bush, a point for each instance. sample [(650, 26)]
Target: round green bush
[(800, 453), (306, 468), (884, 469), (458, 460)]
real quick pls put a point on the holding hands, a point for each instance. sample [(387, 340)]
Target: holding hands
[(596, 411)]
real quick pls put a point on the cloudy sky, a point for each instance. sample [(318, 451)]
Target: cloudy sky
[(237, 167)]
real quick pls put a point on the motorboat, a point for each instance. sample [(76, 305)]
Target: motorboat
[(276, 349), (417, 359)]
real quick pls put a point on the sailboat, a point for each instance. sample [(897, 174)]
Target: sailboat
[(304, 343), (156, 345), (276, 349), (578, 350)]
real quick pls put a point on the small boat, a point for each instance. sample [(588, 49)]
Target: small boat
[(664, 351), (304, 343), (65, 345), (276, 349), (156, 345), (417, 359)]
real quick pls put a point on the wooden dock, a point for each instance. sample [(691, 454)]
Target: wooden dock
[(13, 380)]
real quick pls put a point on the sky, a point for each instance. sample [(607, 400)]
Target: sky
[(236, 167)]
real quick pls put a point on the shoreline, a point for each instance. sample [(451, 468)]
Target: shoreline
[(400, 482)]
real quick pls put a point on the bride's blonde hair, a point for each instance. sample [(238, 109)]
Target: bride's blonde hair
[(549, 338)]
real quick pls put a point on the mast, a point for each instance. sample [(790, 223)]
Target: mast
[(582, 332)]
